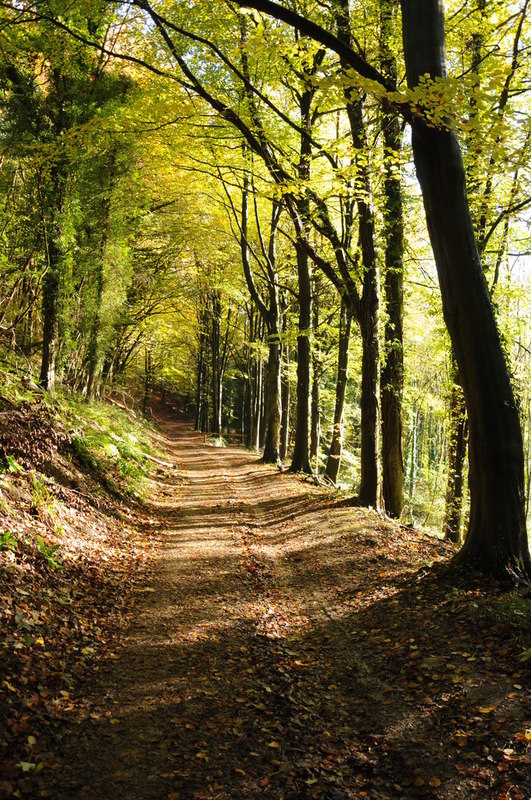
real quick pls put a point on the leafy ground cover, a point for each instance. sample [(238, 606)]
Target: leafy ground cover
[(70, 555), (282, 645)]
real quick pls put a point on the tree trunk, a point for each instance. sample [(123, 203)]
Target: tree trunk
[(216, 375), (301, 450), (457, 444), (200, 377), (284, 431), (334, 455), (392, 374), (95, 355), (496, 540), (50, 302), (369, 491), (370, 488), (148, 378), (51, 282), (300, 461), (256, 404), (272, 440), (255, 382), (315, 425)]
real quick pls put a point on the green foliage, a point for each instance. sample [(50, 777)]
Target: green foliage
[(84, 455), (109, 441), (49, 553), (41, 496), (512, 613), (8, 541), (10, 466)]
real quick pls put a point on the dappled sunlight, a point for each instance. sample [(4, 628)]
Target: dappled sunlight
[(289, 643)]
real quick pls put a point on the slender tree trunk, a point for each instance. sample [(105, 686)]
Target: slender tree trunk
[(301, 450), (369, 491), (264, 404), (270, 430), (457, 444), (272, 440), (315, 427), (216, 375), (199, 380), (334, 455), (496, 540), (54, 264), (51, 282), (95, 355), (256, 404), (255, 383), (370, 485), (284, 432), (300, 461), (148, 379), (94, 348), (50, 301), (392, 374)]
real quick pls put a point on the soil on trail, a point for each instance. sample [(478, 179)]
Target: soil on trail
[(288, 647)]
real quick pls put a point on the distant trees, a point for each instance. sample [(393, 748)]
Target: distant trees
[(52, 89)]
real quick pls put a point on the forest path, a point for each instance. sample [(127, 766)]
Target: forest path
[(285, 648)]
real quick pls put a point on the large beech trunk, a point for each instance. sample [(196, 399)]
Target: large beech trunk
[(496, 539), (334, 454)]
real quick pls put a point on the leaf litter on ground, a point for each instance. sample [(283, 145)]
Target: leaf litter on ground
[(309, 649)]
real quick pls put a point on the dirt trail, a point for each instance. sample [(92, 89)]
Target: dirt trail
[(285, 648)]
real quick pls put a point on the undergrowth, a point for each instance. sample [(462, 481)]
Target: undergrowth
[(110, 442)]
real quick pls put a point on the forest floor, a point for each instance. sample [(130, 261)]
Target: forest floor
[(275, 643)]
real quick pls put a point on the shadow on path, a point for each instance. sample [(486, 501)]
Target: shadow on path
[(290, 649)]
